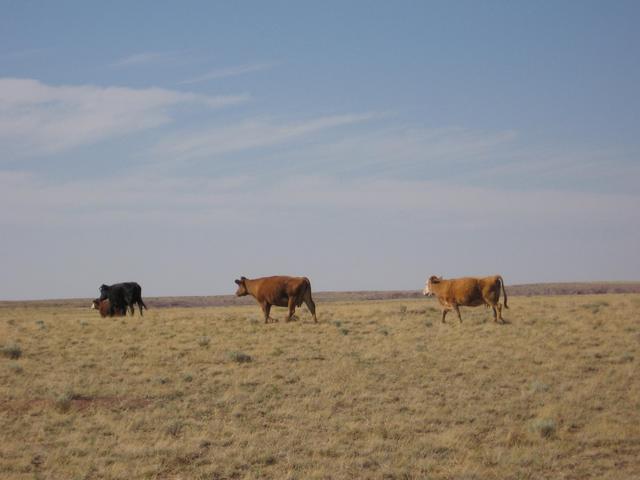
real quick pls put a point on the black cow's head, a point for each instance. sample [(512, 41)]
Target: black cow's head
[(242, 287), (104, 291)]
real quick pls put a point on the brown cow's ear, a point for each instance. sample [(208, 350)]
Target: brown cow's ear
[(243, 278), (434, 279), (238, 282)]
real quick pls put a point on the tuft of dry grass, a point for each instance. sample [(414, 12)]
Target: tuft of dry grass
[(377, 389)]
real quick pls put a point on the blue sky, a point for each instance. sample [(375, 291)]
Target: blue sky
[(366, 145)]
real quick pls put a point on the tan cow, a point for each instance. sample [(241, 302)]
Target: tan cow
[(468, 292), (280, 291)]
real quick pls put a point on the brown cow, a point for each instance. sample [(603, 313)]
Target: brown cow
[(104, 307), (280, 291), (468, 292)]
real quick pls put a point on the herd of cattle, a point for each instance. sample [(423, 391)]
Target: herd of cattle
[(292, 292)]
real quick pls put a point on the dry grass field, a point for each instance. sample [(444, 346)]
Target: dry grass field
[(377, 389)]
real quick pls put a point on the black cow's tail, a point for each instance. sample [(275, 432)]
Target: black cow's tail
[(138, 294), (504, 292)]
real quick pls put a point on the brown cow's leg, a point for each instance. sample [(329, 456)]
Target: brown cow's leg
[(455, 307), (500, 313), (495, 313), (444, 314)]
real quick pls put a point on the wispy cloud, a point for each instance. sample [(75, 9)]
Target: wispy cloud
[(178, 200), (36, 118), (407, 151), (145, 58), (21, 54), (230, 72), (249, 135)]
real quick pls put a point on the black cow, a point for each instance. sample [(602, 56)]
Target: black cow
[(121, 296)]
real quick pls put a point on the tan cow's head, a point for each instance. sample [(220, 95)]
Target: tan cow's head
[(242, 287), (428, 286)]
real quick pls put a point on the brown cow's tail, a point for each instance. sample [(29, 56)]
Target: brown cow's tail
[(504, 292), (304, 291)]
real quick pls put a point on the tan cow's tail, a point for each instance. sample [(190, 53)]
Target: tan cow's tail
[(504, 292)]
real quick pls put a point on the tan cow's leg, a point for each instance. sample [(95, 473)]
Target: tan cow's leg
[(266, 308), (500, 313), (457, 310), (495, 313), (444, 313)]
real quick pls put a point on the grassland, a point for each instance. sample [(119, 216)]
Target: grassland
[(377, 389)]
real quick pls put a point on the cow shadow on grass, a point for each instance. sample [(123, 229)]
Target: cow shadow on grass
[(483, 321), (504, 321)]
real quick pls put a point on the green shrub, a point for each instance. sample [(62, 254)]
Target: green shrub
[(11, 351), (239, 357), (546, 427), (63, 402), (15, 368), (175, 428), (537, 387)]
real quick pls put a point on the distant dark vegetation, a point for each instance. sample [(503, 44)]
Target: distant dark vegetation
[(533, 289)]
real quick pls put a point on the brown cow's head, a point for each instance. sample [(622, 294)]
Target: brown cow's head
[(428, 290), (242, 287), (104, 308)]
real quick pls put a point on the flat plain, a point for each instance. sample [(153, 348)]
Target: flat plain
[(377, 389)]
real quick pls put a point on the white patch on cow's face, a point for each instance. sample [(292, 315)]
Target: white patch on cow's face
[(427, 289), (93, 306)]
